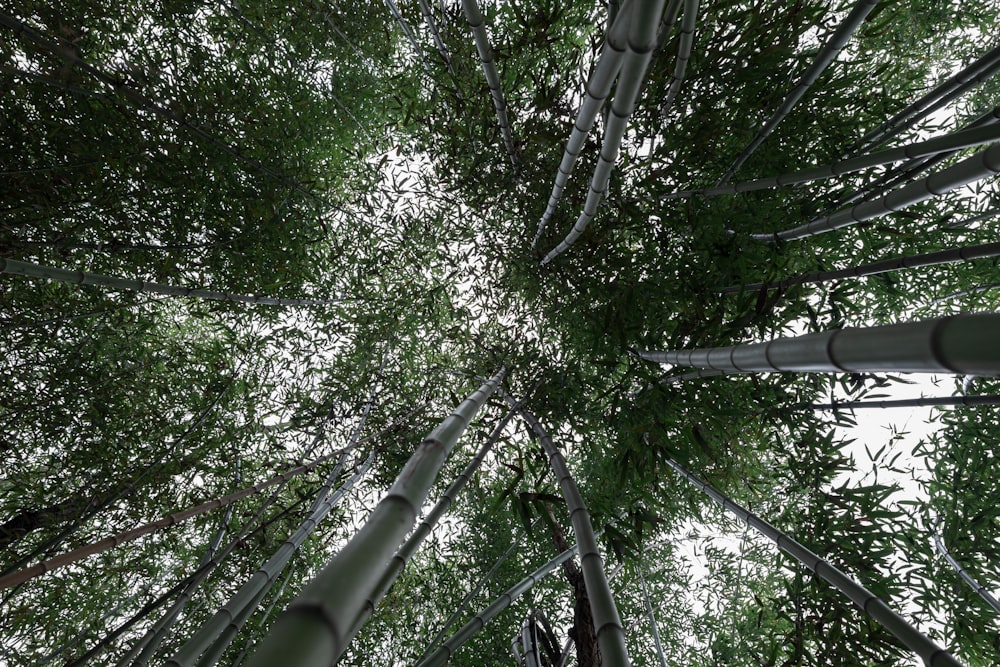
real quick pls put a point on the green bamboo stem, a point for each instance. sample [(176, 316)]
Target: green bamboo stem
[(607, 622), (873, 607), (644, 19), (915, 261), (314, 628), (262, 580), (596, 90), (926, 402), (29, 270), (949, 89), (683, 54), (477, 23), (263, 617), (405, 28), (981, 165), (402, 556), (964, 344), (668, 22), (841, 36), (965, 292), (652, 620), (962, 573), (944, 144), (79, 554), (443, 653), (460, 609), (72, 58)]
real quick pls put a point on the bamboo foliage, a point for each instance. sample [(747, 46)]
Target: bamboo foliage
[(872, 606), (29, 270), (314, 629), (644, 19), (443, 654), (684, 47), (595, 92), (981, 165), (76, 555), (955, 344), (915, 261), (477, 23), (965, 576), (841, 36)]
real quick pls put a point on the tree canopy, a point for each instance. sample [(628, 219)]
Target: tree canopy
[(276, 245)]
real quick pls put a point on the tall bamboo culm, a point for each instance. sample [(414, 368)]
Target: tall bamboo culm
[(932, 654), (313, 630), (684, 47), (962, 573)]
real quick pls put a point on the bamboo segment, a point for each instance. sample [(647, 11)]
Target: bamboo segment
[(644, 18), (945, 144), (596, 90), (477, 23), (949, 89), (965, 576), (29, 270), (652, 620), (683, 53), (75, 555), (928, 259), (607, 623), (873, 607), (964, 344), (443, 654), (983, 399), (314, 628), (826, 56), (981, 165), (405, 552)]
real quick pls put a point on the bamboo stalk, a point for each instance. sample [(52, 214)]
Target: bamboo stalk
[(79, 554), (981, 165), (607, 622), (398, 562), (477, 23), (313, 629), (915, 261), (944, 144), (962, 573), (596, 90), (443, 654), (926, 402), (949, 89), (652, 620), (841, 36), (964, 344), (683, 53), (644, 18), (873, 607), (29, 270)]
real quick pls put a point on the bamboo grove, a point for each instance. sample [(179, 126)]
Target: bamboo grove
[(491, 333)]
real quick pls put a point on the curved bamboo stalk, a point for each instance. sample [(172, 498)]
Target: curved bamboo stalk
[(477, 23), (946, 91), (962, 573), (235, 612), (873, 607), (915, 261), (79, 554), (827, 54), (607, 623), (29, 270), (595, 90), (938, 145), (313, 629), (926, 402), (982, 164), (398, 562), (460, 609), (443, 654), (683, 53), (72, 57), (644, 19), (964, 344)]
